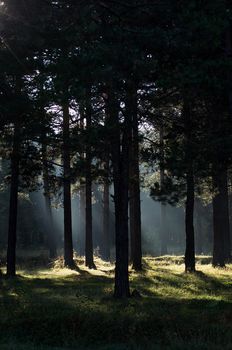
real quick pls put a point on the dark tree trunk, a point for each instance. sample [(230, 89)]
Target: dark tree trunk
[(164, 249), (134, 184), (52, 245), (106, 213), (88, 216), (189, 226), (132, 223), (221, 225), (81, 235), (13, 209), (230, 210), (121, 288), (68, 241), (229, 53), (190, 195), (135, 227), (51, 238), (120, 161), (89, 262), (199, 231), (82, 202)]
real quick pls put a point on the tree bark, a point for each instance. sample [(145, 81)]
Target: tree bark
[(199, 232), (229, 75), (120, 160), (88, 228), (82, 201), (68, 241), (13, 208), (189, 225), (134, 184), (121, 288), (221, 225), (51, 238), (81, 235), (106, 212), (190, 195), (228, 55), (164, 249), (89, 261)]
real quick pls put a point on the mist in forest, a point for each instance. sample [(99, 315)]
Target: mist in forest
[(33, 228), (33, 225)]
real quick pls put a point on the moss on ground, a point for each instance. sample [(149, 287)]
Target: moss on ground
[(59, 308)]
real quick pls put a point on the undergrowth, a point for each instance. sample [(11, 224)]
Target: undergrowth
[(57, 308)]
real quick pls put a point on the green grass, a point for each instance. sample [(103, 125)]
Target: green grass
[(62, 309)]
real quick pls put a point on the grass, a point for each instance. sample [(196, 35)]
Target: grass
[(45, 309)]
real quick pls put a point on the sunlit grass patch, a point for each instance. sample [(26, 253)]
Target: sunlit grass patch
[(71, 309), (168, 280)]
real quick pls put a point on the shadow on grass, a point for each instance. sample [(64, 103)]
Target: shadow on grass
[(166, 282), (68, 311)]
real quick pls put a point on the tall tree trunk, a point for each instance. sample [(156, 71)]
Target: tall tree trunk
[(164, 249), (68, 241), (134, 183), (230, 209), (189, 206), (81, 235), (13, 208), (106, 212), (51, 238), (120, 161), (88, 187), (221, 225), (228, 55), (189, 225), (88, 216), (82, 201), (121, 288), (229, 75), (163, 216), (199, 232)]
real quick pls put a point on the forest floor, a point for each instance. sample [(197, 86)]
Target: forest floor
[(44, 309)]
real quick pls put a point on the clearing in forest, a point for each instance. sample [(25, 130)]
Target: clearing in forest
[(63, 309)]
